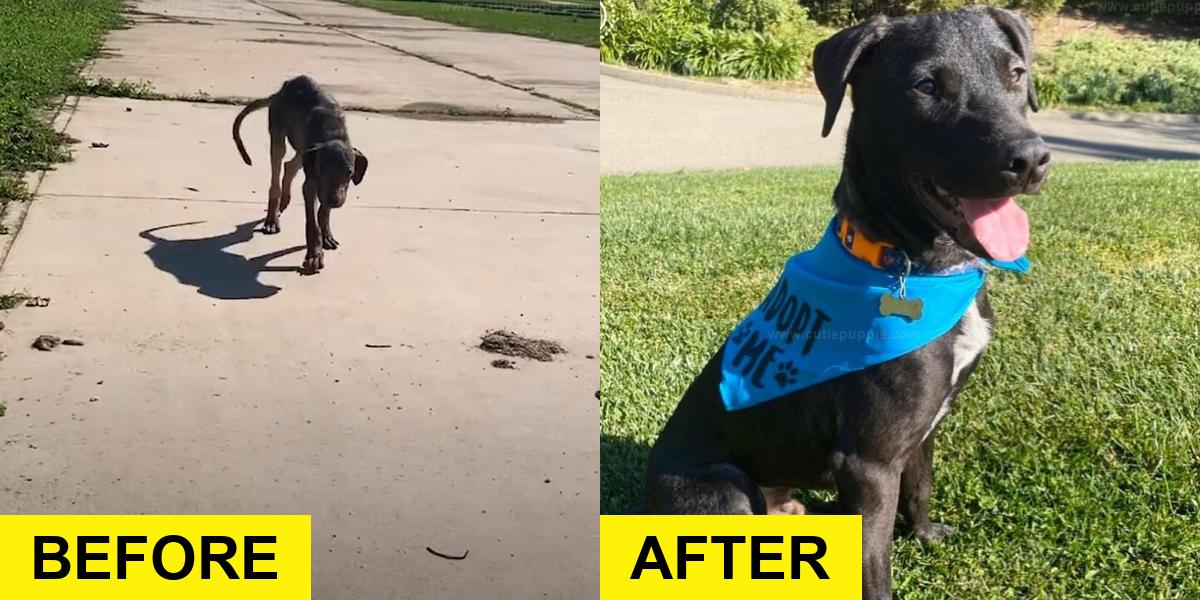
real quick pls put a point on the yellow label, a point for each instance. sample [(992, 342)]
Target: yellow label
[(130, 557), (722, 557)]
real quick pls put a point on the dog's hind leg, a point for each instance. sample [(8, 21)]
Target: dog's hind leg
[(290, 169), (915, 484), (713, 489), (278, 149)]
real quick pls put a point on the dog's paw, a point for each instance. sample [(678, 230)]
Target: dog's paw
[(790, 507), (313, 263), (284, 201), (328, 243), (270, 227), (934, 533)]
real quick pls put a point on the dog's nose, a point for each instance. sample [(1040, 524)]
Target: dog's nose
[(1026, 162)]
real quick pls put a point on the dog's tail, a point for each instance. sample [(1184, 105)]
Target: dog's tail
[(237, 124)]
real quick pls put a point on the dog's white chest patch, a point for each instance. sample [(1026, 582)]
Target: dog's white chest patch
[(974, 337)]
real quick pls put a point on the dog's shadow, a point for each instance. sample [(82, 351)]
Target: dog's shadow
[(207, 265)]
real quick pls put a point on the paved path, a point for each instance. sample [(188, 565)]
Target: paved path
[(652, 127), (216, 379)]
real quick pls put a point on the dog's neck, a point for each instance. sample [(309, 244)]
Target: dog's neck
[(888, 209)]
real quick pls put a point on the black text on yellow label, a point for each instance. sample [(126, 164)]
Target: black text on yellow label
[(699, 557), (102, 557)]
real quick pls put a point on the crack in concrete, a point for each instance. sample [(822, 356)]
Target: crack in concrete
[(165, 18), (496, 211), (428, 112), (441, 63)]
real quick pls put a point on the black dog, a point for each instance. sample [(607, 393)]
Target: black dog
[(308, 118), (938, 141)]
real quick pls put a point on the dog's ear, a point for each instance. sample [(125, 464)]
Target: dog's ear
[(835, 58), (1016, 28), (360, 167)]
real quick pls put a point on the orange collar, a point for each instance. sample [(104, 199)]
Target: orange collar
[(880, 255)]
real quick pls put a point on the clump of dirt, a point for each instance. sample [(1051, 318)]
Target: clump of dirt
[(3, 409), (510, 344), (504, 363), (46, 343)]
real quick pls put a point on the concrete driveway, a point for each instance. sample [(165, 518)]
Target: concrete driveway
[(660, 123), (216, 379)]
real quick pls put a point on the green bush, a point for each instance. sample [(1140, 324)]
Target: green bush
[(713, 52), (755, 39), (757, 15), (766, 57), (1049, 92), (1097, 71)]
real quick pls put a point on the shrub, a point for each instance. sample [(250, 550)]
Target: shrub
[(757, 15), (1097, 71), (659, 46), (1038, 8), (766, 57), (759, 39), (618, 29), (715, 53), (1049, 92)]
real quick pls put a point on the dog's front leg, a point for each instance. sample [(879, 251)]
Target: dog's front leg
[(915, 485), (871, 489), (327, 241), (314, 258)]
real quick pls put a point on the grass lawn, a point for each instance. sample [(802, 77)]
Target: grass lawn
[(42, 43), (1071, 463), (551, 27)]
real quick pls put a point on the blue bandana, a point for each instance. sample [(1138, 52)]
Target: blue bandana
[(824, 319)]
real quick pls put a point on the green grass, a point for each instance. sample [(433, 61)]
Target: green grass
[(1071, 463), (42, 44), (551, 27), (11, 301)]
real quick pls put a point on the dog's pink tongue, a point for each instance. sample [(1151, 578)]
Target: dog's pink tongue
[(1001, 227)]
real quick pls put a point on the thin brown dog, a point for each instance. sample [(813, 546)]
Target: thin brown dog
[(311, 120)]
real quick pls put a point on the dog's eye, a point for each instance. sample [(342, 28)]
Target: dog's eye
[(1017, 74), (926, 86)]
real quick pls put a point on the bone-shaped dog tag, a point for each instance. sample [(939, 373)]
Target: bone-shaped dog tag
[(891, 305)]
